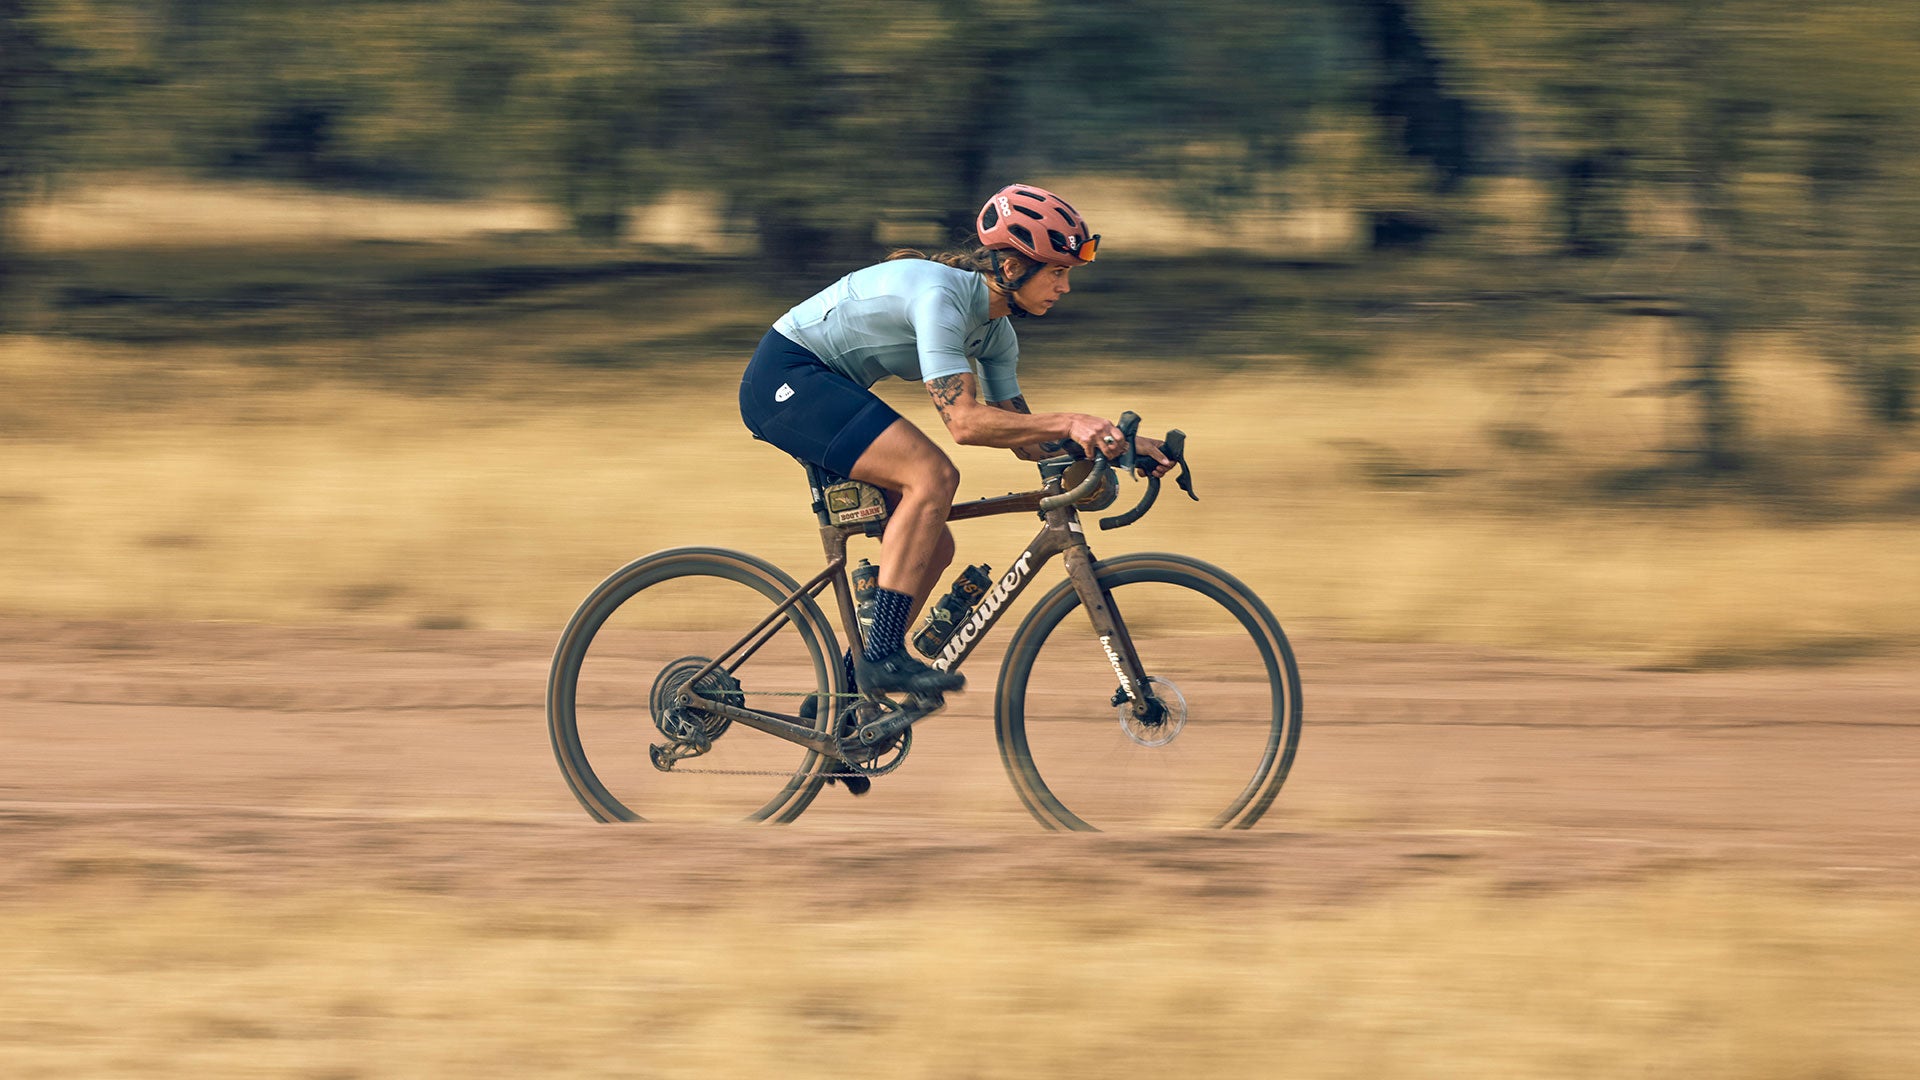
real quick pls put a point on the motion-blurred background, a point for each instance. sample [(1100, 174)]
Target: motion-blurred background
[(1549, 366), (1572, 326)]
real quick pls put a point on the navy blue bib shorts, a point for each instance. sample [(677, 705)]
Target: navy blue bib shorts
[(792, 399)]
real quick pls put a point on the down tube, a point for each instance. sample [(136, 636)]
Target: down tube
[(996, 603)]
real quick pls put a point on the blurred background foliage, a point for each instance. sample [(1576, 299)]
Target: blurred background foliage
[(1732, 165)]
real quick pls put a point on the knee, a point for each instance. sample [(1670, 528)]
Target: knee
[(938, 480)]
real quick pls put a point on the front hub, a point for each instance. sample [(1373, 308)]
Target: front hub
[(1165, 715)]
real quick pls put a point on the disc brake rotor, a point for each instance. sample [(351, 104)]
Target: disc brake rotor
[(1173, 716)]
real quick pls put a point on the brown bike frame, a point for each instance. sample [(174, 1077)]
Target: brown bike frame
[(1061, 534)]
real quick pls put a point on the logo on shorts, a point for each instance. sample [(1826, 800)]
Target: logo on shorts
[(783, 393)]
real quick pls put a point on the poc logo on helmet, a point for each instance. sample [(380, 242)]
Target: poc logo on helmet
[(1006, 206)]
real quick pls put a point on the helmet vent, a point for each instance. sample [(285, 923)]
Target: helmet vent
[(1037, 223)]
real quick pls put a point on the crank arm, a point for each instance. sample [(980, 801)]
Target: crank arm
[(916, 709)]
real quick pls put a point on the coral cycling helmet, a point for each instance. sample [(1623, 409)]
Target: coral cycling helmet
[(1038, 224)]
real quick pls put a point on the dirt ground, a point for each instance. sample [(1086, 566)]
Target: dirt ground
[(251, 758)]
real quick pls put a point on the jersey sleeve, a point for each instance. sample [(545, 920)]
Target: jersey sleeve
[(939, 334), (999, 357)]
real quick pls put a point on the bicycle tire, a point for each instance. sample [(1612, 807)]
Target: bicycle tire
[(682, 581), (1259, 667)]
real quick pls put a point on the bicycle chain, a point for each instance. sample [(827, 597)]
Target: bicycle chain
[(791, 774)]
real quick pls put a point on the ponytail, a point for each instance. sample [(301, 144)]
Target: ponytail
[(980, 260)]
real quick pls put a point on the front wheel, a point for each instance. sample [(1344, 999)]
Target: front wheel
[(1216, 752)]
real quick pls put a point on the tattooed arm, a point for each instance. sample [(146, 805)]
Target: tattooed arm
[(1037, 451), (975, 423)]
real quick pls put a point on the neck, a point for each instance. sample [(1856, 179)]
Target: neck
[(999, 304)]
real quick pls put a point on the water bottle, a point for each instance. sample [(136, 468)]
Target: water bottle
[(866, 579), (945, 616)]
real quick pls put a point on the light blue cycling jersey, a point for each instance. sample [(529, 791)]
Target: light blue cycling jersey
[(912, 318)]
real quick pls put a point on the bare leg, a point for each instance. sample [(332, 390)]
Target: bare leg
[(917, 545)]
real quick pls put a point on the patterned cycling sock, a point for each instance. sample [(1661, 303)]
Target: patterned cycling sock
[(889, 634)]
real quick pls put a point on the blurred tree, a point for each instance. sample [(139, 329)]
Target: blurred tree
[(1703, 107), (780, 113), (602, 106), (1854, 77), (33, 87), (817, 127), (1418, 119), (58, 60), (811, 124), (384, 93), (1213, 99), (1593, 87)]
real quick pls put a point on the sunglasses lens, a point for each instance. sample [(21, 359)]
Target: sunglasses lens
[(1089, 248)]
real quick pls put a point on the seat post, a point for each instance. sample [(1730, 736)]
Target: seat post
[(817, 481)]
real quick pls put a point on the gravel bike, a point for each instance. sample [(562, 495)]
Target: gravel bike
[(1149, 689)]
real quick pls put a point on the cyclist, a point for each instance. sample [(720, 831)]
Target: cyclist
[(944, 321)]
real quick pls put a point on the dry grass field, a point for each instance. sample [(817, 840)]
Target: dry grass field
[(1605, 773), (1690, 979), (190, 480)]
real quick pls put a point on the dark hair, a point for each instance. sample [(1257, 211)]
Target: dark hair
[(980, 260)]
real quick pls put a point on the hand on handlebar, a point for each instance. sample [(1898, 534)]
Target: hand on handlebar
[(1148, 446), (1096, 437), (1151, 457)]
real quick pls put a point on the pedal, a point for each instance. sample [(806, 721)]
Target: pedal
[(890, 724)]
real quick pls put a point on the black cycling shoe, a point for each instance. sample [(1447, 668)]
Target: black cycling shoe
[(901, 673), (856, 785)]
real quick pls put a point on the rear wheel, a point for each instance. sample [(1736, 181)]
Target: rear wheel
[(641, 637), (1217, 750)]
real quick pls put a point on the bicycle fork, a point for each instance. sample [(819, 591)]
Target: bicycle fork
[(1135, 686)]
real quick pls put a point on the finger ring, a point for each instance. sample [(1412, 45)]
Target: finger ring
[(1107, 439)]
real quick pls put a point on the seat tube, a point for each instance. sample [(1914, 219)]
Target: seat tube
[(1109, 627), (833, 540)]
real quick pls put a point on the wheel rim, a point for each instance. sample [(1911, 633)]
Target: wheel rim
[(630, 641), (1219, 764)]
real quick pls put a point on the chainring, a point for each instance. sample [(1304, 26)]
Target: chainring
[(686, 724), (877, 760)]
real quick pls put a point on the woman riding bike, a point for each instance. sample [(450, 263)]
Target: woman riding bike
[(944, 321)]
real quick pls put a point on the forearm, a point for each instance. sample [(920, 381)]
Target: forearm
[(1008, 424), (1030, 451), (984, 426), (1011, 425)]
